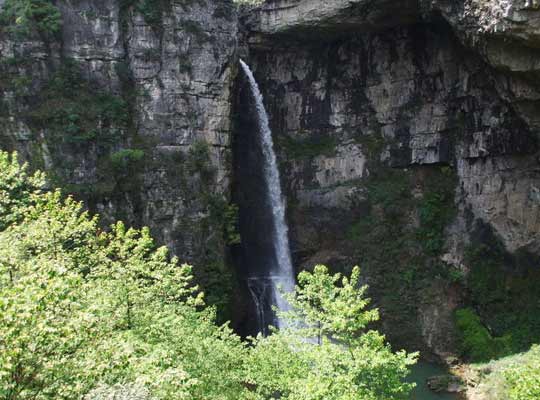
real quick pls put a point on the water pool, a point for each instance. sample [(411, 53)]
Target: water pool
[(419, 374)]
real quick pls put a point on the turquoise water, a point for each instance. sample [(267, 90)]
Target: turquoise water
[(419, 374)]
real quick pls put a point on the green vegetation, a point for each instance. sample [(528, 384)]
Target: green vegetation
[(214, 226), (343, 359), (151, 10), (384, 244), (504, 290), (516, 377), (436, 210), (372, 144), (70, 118), (199, 161), (91, 314), (476, 341), (523, 377), (185, 66), (195, 29), (230, 224), (400, 254), (17, 190), (126, 159), (77, 125), (24, 17), (74, 111), (308, 147)]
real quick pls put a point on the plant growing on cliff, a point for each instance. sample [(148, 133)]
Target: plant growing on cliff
[(126, 159), (523, 377), (515, 377), (476, 342), (72, 110), (436, 210), (504, 289), (22, 17)]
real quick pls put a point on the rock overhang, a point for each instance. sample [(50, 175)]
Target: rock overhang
[(307, 17)]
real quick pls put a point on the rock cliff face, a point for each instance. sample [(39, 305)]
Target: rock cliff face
[(142, 131), (407, 134), (368, 99)]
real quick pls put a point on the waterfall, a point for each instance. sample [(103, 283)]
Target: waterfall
[(281, 274)]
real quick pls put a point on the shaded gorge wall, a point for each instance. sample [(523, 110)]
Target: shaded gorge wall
[(394, 146)]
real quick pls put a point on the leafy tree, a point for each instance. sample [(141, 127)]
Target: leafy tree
[(46, 321), (102, 315), (327, 350), (81, 308), (331, 305), (17, 189)]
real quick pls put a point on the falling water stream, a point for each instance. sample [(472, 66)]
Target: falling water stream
[(264, 288), (281, 274)]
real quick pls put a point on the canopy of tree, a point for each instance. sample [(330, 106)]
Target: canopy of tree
[(92, 314)]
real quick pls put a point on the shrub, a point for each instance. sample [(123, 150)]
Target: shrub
[(436, 210), (71, 110), (516, 377), (126, 159), (505, 289), (22, 17), (308, 147), (475, 340)]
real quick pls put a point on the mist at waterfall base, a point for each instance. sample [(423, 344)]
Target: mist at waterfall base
[(264, 254)]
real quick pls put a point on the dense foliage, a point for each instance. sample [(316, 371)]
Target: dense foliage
[(515, 377), (334, 355), (75, 111), (523, 377), (504, 292), (102, 315), (23, 17), (475, 340)]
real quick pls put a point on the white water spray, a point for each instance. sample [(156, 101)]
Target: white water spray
[(282, 274)]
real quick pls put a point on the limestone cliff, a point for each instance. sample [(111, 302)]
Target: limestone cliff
[(127, 107), (407, 134)]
